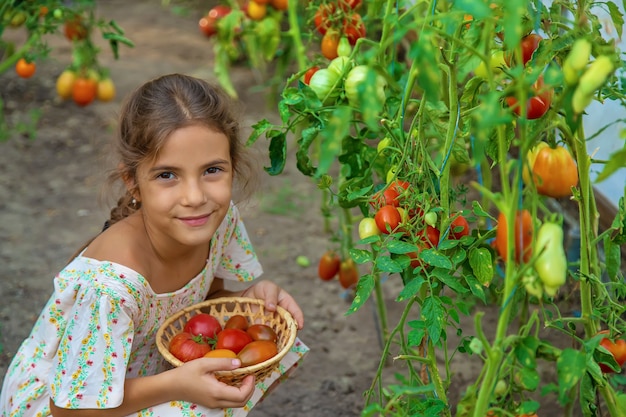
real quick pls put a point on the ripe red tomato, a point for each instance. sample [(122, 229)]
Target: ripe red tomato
[(185, 347), (617, 348), (537, 104), (391, 194), (387, 218), (329, 44), (430, 236), (348, 273), (84, 90), (459, 227), (554, 172), (415, 259), (257, 351), (75, 29), (528, 45), (24, 68), (208, 23), (262, 332), (321, 19), (236, 322), (203, 324), (309, 73), (328, 266), (523, 235), (232, 339), (354, 28)]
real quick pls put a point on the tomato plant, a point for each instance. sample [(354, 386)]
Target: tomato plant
[(186, 347), (24, 68), (232, 339), (262, 332), (328, 266), (203, 324), (257, 351)]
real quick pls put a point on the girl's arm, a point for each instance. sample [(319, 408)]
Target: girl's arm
[(271, 293), (192, 382)]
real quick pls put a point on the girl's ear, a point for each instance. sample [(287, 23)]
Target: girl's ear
[(129, 181)]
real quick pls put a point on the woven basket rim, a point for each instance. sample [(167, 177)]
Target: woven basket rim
[(291, 324)]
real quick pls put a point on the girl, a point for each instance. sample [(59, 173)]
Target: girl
[(173, 239)]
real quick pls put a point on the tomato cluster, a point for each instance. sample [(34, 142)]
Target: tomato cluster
[(204, 336), (331, 266), (84, 87), (334, 20)]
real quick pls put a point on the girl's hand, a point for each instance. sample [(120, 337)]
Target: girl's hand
[(273, 295), (196, 383)]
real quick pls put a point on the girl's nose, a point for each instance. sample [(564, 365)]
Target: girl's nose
[(193, 194)]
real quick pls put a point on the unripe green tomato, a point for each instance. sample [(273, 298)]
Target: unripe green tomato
[(576, 60), (323, 84), (356, 81), (430, 218), (532, 284), (340, 66), (344, 48), (57, 14), (596, 75), (580, 100), (368, 227), (496, 62), (551, 261), (383, 144)]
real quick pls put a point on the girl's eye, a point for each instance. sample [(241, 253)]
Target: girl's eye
[(213, 170), (166, 175)]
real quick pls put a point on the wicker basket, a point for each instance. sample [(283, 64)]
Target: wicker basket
[(222, 309)]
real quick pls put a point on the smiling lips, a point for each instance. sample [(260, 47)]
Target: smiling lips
[(195, 221)]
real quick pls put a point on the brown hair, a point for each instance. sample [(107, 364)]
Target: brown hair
[(153, 111)]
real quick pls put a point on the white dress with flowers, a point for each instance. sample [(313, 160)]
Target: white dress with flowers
[(99, 327)]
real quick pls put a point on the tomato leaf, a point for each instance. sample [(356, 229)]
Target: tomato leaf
[(482, 265), (435, 317), (616, 161), (257, 130), (386, 264), (435, 258), (526, 352), (475, 287), (278, 153), (400, 247), (303, 162), (337, 128), (570, 367), (361, 256), (613, 258), (449, 280), (411, 288), (364, 288)]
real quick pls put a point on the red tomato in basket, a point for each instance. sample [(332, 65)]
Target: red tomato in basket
[(232, 339), (236, 322), (257, 351), (186, 347), (262, 332), (203, 324)]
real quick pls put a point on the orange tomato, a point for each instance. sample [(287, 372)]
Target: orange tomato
[(24, 68), (280, 4), (348, 273), (220, 353), (106, 90), (261, 1), (329, 44), (554, 171), (256, 11), (64, 84), (523, 234), (84, 91)]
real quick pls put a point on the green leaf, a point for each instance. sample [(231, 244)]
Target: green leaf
[(411, 288), (475, 287), (616, 161), (363, 291), (303, 162), (400, 247), (278, 154), (613, 258), (257, 130), (337, 128), (434, 258), (451, 281), (434, 314), (482, 265), (386, 264), (525, 352), (570, 367), (529, 378), (618, 20), (361, 256)]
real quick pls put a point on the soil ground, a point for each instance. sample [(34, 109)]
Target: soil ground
[(50, 204)]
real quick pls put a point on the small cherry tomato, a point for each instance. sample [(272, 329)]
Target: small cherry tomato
[(236, 322), (459, 227), (348, 273), (232, 339), (387, 218), (24, 68), (257, 351), (84, 90), (262, 332), (256, 11), (354, 28), (329, 264)]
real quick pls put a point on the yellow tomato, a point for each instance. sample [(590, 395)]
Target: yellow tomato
[(65, 83), (256, 11), (106, 89)]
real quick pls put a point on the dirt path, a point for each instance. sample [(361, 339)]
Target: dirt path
[(49, 190)]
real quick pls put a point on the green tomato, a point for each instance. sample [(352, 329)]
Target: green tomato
[(383, 144), (496, 63), (340, 66), (357, 80), (368, 227), (323, 84), (430, 218), (551, 261)]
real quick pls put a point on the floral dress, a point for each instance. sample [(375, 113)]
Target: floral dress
[(99, 328)]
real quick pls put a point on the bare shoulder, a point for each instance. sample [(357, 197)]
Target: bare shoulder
[(121, 243)]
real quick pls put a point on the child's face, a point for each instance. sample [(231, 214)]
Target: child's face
[(186, 192)]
